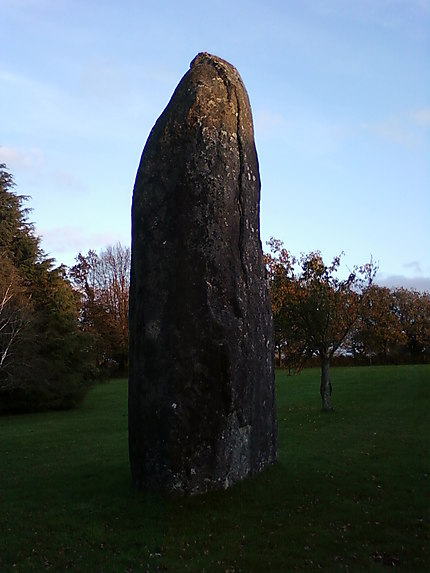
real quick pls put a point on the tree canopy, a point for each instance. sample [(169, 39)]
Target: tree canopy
[(103, 281), (314, 310), (43, 353)]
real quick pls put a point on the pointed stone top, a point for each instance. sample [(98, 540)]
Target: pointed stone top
[(204, 58)]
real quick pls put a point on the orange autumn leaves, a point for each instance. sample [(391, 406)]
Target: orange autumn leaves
[(316, 313)]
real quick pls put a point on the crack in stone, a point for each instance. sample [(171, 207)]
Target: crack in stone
[(240, 194), (222, 73)]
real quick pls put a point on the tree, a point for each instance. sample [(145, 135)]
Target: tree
[(44, 355), (313, 308), (412, 309), (14, 315), (103, 282), (289, 345), (17, 239), (378, 332)]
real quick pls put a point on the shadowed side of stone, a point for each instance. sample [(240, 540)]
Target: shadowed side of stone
[(201, 391)]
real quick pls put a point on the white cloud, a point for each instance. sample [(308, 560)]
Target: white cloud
[(383, 13), (69, 181), (14, 79), (401, 129), (413, 266), (392, 129), (36, 106), (104, 81), (64, 243), (301, 129), (35, 163), (19, 159), (419, 283), (422, 117), (77, 239)]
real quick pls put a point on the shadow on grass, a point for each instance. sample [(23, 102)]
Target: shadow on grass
[(349, 491)]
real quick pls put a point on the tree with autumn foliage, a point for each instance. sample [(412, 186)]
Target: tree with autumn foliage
[(378, 333), (394, 326), (103, 281), (314, 310), (412, 309)]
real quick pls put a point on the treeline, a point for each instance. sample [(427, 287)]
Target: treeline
[(394, 328), (60, 329), (353, 319)]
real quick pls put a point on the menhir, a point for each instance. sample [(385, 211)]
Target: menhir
[(201, 391)]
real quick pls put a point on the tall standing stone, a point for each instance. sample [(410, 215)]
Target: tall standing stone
[(201, 391)]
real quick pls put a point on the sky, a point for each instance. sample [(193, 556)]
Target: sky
[(340, 94)]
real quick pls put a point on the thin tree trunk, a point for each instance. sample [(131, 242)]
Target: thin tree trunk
[(325, 388)]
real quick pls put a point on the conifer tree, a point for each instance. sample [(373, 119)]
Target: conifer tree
[(44, 358)]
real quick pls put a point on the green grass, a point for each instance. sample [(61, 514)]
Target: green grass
[(350, 491)]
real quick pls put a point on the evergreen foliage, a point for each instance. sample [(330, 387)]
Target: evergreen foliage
[(44, 357)]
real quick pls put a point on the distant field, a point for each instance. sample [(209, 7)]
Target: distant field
[(350, 491)]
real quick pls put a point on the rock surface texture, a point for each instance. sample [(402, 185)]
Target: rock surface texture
[(201, 391)]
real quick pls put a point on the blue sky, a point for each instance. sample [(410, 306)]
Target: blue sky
[(340, 92)]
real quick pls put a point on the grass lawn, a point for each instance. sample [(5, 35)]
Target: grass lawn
[(350, 491)]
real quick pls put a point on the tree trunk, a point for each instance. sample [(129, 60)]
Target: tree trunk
[(325, 388)]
